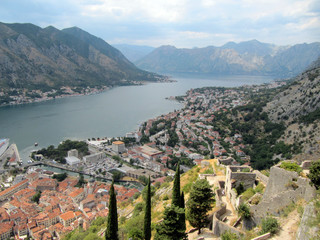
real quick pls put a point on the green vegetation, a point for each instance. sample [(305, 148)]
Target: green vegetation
[(244, 211), (112, 222), (200, 202), (314, 174), (170, 228), (229, 236), (36, 198), (60, 177), (291, 166), (311, 117), (61, 151), (147, 214), (270, 224), (176, 188), (81, 181)]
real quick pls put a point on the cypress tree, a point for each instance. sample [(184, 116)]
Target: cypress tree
[(183, 216), (147, 216), (176, 188), (112, 222)]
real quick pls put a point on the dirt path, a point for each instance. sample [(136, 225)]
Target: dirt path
[(205, 234), (289, 227)]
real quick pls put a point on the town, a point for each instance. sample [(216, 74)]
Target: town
[(40, 203)]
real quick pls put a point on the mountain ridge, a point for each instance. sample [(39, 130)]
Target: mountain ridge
[(250, 57), (43, 58)]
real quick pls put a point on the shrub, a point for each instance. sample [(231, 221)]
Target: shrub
[(270, 224), (244, 211), (259, 188), (289, 166), (256, 199), (229, 236), (246, 195)]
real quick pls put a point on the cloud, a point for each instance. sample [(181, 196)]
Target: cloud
[(184, 23)]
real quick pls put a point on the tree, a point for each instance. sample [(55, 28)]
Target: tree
[(112, 222), (147, 214), (176, 188), (200, 202), (314, 174), (183, 216), (169, 228), (36, 198)]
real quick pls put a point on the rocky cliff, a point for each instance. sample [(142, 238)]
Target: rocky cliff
[(34, 57)]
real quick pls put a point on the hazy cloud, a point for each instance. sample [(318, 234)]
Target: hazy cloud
[(183, 23)]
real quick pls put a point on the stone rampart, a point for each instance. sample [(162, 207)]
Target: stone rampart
[(263, 178), (262, 237), (219, 227), (284, 187)]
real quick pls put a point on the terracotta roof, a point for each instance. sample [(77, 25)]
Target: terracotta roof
[(68, 215), (13, 187)]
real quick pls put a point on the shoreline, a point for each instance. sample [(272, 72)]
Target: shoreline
[(94, 91)]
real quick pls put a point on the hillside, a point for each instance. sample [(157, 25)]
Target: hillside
[(251, 57), (298, 106), (44, 58)]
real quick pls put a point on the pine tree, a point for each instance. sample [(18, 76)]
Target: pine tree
[(169, 228), (200, 202), (176, 188), (112, 222), (147, 216)]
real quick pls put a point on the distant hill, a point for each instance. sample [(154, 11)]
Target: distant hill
[(44, 58), (251, 57), (133, 52)]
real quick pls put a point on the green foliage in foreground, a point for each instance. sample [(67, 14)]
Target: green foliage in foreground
[(244, 211), (147, 216), (170, 228), (229, 236), (200, 202), (314, 174), (112, 222), (269, 224), (289, 166)]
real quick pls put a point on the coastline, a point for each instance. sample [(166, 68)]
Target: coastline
[(87, 92)]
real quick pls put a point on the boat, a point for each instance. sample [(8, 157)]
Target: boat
[(4, 144), (35, 144)]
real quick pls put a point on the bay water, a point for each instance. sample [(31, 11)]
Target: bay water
[(111, 113)]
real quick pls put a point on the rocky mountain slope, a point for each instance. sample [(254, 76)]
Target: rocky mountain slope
[(298, 106), (34, 57), (252, 57)]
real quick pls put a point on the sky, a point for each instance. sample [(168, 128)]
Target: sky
[(181, 23)]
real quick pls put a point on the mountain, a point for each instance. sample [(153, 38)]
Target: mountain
[(34, 57), (133, 52), (251, 57), (298, 107)]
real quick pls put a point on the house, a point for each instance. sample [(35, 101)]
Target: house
[(67, 218)]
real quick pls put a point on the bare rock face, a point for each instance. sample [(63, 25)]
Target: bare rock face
[(34, 57)]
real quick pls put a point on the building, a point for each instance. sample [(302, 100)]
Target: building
[(67, 218), (94, 157), (149, 152), (118, 147), (73, 153), (4, 195)]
